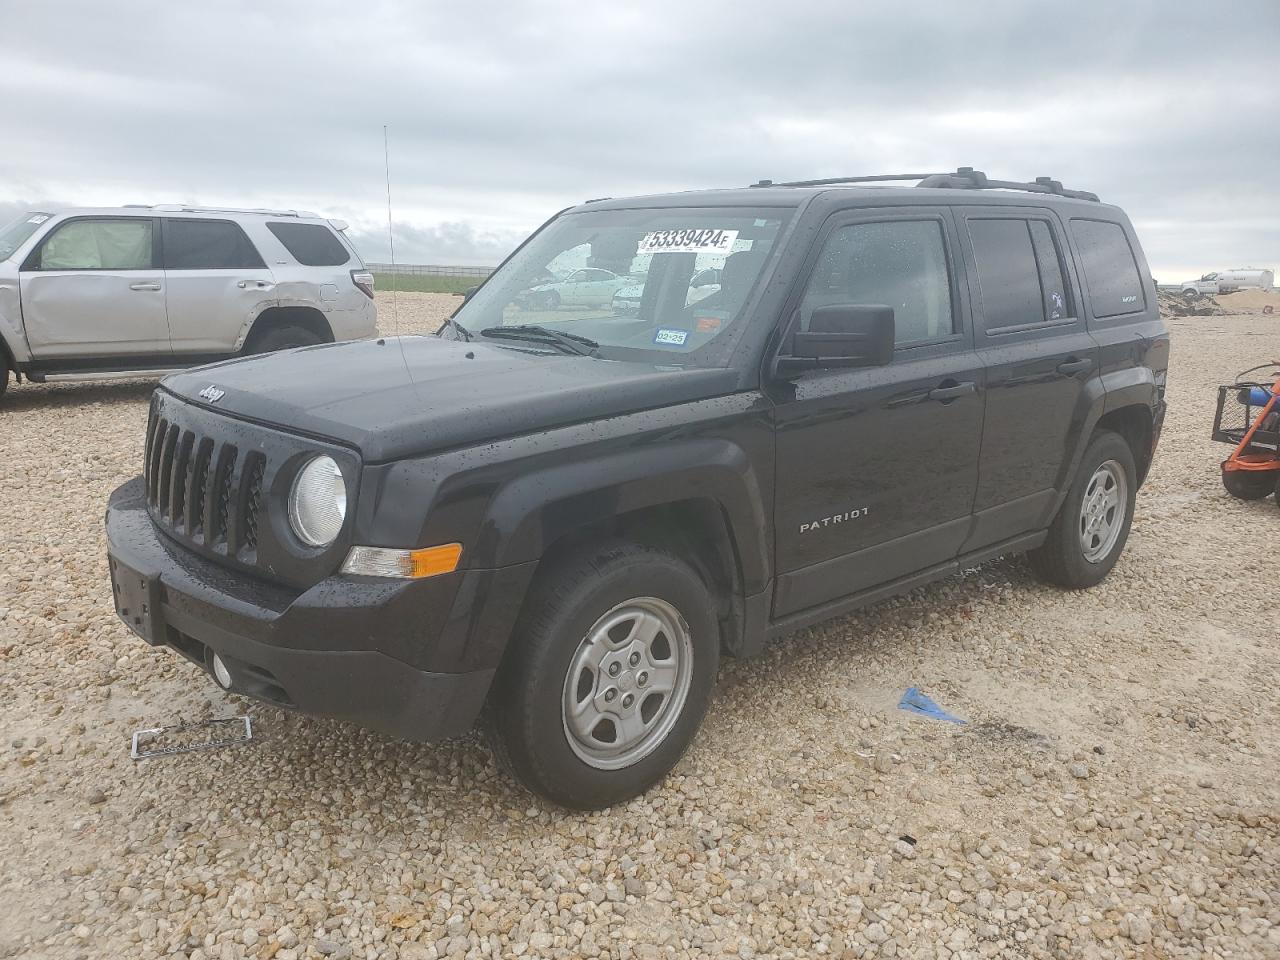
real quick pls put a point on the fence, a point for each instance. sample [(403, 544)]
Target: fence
[(427, 270)]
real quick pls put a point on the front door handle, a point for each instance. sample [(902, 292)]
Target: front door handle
[(148, 285), (1071, 367), (944, 394)]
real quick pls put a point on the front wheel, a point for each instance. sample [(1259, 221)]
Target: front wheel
[(610, 673), (1191, 295), (1088, 535), (1248, 484)]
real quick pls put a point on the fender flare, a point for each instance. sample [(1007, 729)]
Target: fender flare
[(530, 513), (1132, 387)]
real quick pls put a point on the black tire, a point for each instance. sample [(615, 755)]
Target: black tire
[(1061, 560), (4, 377), (527, 717), (282, 338), (1246, 485), (1191, 295)]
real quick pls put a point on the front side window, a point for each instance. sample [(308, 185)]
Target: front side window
[(1008, 275), (1110, 269), (901, 264), (625, 279), (208, 245), (106, 244), (19, 232), (311, 244)]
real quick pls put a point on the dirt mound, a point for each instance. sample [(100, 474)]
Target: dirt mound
[(1250, 301), (1173, 304)]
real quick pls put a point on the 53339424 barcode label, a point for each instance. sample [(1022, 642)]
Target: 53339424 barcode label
[(688, 240)]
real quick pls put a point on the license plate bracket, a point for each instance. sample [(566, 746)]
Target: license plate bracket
[(144, 745), (137, 599)]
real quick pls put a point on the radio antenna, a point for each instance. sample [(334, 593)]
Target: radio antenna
[(391, 238)]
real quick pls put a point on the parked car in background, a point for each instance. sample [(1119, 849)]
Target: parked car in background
[(703, 284), (86, 294), (588, 287), (1228, 281)]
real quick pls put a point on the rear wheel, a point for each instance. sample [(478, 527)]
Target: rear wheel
[(608, 678), (282, 338), (1088, 535), (1249, 484)]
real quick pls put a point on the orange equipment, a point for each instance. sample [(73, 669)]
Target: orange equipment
[(1252, 425)]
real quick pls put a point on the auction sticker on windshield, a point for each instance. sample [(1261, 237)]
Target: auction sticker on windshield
[(688, 240)]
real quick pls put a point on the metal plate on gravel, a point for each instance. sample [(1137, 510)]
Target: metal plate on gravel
[(189, 737)]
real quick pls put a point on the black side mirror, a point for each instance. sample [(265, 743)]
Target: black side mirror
[(469, 293), (842, 335)]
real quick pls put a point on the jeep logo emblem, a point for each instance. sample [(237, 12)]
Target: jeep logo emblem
[(211, 393)]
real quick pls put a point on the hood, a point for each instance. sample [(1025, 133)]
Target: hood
[(402, 397)]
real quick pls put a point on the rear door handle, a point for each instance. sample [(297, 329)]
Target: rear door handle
[(260, 284), (943, 394), (147, 285), (1075, 366)]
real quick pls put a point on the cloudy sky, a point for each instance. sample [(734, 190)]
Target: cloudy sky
[(502, 113)]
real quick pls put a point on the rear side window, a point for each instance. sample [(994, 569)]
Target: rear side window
[(106, 244), (1110, 268), (900, 264), (311, 244), (208, 245), (1008, 275)]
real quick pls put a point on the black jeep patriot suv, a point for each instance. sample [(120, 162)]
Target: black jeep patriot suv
[(665, 428)]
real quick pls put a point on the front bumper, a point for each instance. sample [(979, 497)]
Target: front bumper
[(413, 659)]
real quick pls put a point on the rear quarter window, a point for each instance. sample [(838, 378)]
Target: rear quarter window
[(1110, 268), (311, 244)]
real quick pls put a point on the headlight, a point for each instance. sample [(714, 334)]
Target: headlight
[(318, 502)]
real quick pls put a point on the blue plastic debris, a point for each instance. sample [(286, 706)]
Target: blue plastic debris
[(913, 701)]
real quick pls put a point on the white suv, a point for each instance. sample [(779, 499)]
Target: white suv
[(144, 290)]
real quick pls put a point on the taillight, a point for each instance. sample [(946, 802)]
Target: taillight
[(364, 280)]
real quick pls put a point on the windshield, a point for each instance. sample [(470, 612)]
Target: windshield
[(15, 234), (662, 285)]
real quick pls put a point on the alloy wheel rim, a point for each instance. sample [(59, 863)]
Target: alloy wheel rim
[(627, 683), (1102, 511)]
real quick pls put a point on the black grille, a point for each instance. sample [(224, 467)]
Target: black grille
[(253, 502), (202, 488), (213, 480)]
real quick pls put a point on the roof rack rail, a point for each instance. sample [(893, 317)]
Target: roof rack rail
[(967, 178), (262, 211), (964, 178), (878, 178)]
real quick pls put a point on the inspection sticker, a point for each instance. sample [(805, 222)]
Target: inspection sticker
[(689, 240), (38, 218), (675, 338)]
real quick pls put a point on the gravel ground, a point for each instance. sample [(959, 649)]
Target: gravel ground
[(1114, 794)]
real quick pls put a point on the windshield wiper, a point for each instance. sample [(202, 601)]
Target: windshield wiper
[(572, 342)]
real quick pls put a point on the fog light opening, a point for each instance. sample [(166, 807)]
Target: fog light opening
[(221, 673)]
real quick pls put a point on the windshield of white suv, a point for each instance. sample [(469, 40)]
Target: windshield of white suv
[(659, 285), (16, 234)]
